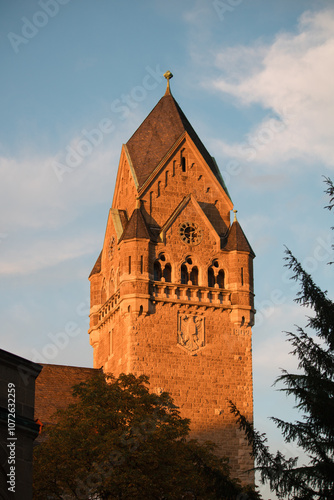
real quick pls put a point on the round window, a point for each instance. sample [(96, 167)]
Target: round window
[(190, 233)]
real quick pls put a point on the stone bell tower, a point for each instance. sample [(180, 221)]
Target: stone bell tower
[(172, 289)]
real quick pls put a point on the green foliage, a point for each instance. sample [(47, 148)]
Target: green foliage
[(119, 441), (313, 390)]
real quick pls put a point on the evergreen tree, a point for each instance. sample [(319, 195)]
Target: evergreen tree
[(313, 390)]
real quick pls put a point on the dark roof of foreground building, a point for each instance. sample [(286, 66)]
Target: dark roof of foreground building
[(53, 389)]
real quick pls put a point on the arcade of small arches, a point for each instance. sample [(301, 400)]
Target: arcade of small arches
[(214, 276), (186, 274)]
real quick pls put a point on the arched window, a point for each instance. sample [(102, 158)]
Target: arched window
[(183, 164), (184, 275), (194, 276), (112, 282), (157, 271), (167, 273), (103, 292), (211, 277), (221, 279), (111, 286)]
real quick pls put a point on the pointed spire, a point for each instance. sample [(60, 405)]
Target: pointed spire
[(236, 239), (158, 133), (168, 75), (136, 227)]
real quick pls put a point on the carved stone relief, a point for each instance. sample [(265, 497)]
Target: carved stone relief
[(191, 332)]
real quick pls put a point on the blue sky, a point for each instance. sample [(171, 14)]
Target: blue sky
[(256, 81)]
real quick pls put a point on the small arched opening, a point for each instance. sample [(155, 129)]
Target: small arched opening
[(221, 279), (211, 277), (167, 273), (194, 276), (103, 292), (157, 271), (184, 275), (183, 164)]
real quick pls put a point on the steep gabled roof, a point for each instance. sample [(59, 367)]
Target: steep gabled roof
[(236, 239), (157, 134), (97, 267), (136, 227)]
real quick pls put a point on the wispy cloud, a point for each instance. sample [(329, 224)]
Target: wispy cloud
[(36, 209), (32, 196), (292, 79), (45, 252)]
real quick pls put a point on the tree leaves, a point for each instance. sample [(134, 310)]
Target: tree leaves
[(120, 441)]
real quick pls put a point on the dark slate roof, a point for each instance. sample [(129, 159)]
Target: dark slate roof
[(136, 227), (53, 390), (157, 134), (236, 239), (97, 267)]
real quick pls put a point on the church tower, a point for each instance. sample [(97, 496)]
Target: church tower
[(172, 289)]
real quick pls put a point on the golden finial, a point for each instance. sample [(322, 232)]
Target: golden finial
[(235, 215), (168, 75)]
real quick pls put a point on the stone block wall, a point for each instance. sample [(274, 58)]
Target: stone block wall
[(201, 382)]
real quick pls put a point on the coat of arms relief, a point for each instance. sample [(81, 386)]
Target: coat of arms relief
[(191, 332)]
